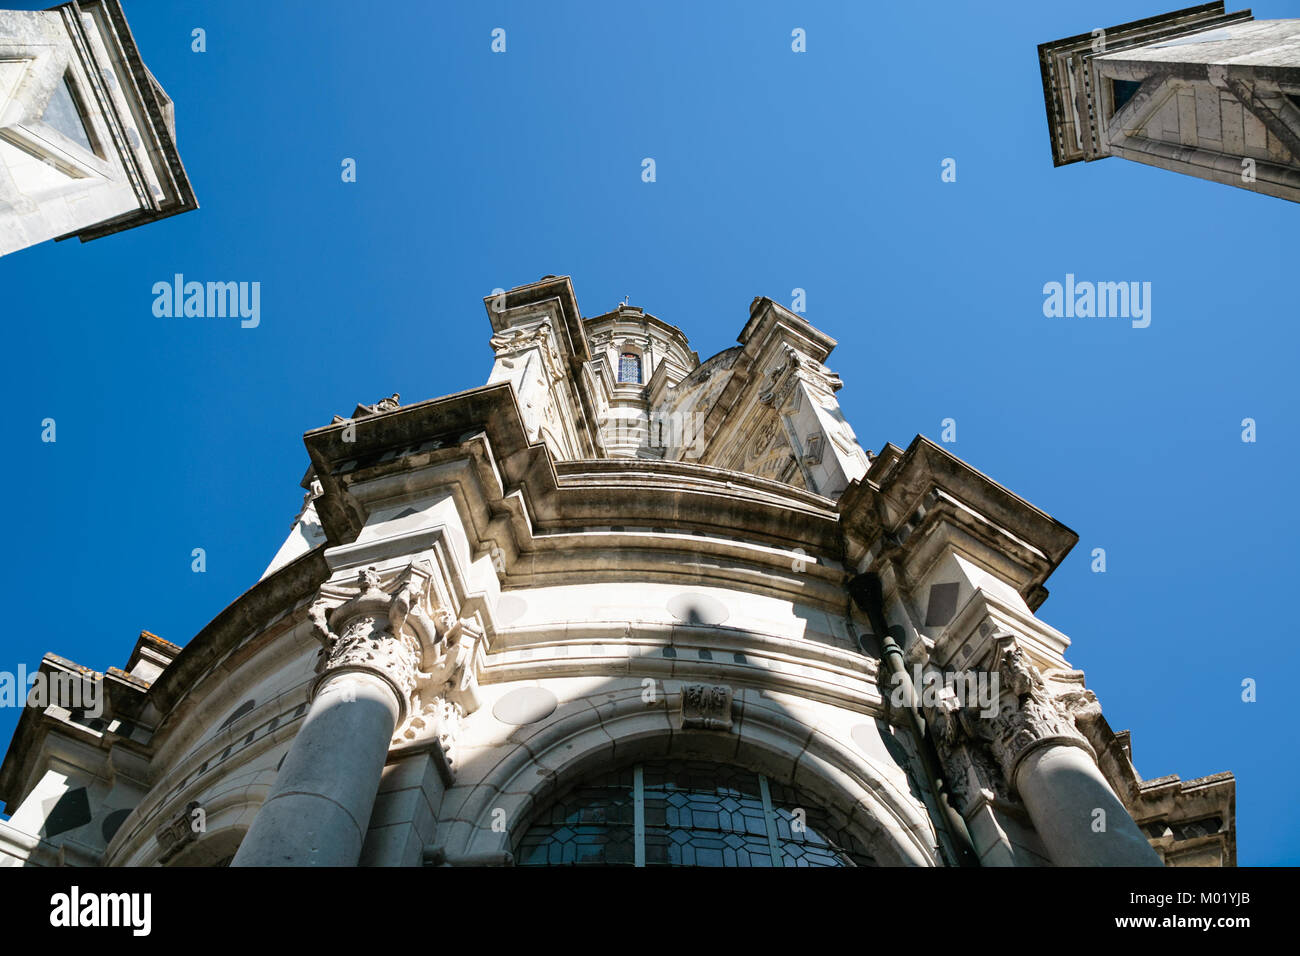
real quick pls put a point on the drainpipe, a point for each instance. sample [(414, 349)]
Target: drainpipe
[(868, 595)]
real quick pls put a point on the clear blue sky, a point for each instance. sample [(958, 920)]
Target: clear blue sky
[(775, 170)]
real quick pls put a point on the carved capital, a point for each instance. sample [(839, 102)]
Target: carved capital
[(969, 770), (367, 644), (422, 651), (1030, 715), (980, 753)]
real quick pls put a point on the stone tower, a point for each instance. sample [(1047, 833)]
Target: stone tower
[(87, 136), (1198, 91), (616, 606)]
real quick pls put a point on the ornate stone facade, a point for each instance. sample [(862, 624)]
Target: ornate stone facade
[(616, 563)]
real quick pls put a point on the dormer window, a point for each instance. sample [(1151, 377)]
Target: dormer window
[(629, 368)]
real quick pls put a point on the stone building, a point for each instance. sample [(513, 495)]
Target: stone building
[(1197, 91), (87, 136), (616, 606)]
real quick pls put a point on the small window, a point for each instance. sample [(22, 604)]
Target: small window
[(1122, 91), (244, 708), (64, 114), (629, 368)]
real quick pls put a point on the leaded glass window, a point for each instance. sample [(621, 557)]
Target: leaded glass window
[(686, 813), (629, 368)]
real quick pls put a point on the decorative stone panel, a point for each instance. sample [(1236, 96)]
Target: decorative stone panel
[(706, 707)]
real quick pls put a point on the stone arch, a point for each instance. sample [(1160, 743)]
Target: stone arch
[(229, 805), (490, 817), (216, 848)]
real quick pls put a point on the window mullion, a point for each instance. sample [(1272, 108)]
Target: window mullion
[(769, 818), (638, 814)]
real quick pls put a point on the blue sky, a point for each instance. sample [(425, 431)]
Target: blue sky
[(775, 170)]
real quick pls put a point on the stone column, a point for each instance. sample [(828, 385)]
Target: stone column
[(1063, 790), (319, 809), (1051, 766)]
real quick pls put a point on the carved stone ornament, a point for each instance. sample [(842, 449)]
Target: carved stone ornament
[(969, 772), (980, 754), (1033, 717), (428, 656), (765, 435), (706, 707), (518, 339), (795, 368), (181, 832)]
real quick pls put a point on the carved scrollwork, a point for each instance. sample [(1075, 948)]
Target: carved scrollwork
[(367, 644), (969, 771)]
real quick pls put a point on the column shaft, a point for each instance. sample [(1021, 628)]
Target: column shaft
[(1062, 788), (319, 809)]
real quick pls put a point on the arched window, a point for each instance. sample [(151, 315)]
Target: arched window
[(686, 813), (629, 368)]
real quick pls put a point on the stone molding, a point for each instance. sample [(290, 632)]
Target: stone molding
[(887, 817), (133, 174)]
